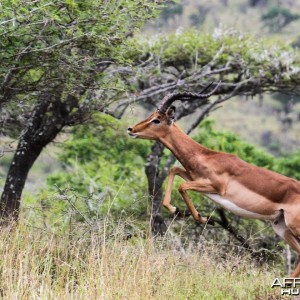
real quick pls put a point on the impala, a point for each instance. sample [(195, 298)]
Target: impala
[(244, 189)]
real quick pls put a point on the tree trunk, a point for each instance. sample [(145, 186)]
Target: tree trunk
[(47, 120), (155, 189), (17, 174)]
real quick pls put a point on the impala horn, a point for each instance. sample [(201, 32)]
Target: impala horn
[(170, 98)]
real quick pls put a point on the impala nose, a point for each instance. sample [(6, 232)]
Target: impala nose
[(129, 129)]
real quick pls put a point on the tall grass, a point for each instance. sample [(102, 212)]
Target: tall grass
[(107, 263)]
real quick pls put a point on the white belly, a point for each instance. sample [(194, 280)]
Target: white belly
[(227, 204)]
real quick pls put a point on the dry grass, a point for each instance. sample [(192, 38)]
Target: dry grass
[(107, 265)]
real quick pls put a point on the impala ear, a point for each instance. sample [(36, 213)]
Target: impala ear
[(171, 113)]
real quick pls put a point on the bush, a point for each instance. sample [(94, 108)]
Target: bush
[(103, 172)]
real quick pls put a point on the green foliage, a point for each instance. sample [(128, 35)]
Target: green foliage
[(64, 47), (276, 18), (87, 25), (238, 56), (290, 165), (102, 167)]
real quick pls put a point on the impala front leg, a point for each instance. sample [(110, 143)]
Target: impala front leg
[(167, 199), (202, 186)]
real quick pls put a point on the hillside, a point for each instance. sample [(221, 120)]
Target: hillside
[(243, 15), (268, 121), (261, 123)]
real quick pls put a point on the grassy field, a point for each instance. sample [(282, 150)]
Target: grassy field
[(103, 263)]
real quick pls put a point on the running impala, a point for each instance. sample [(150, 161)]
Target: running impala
[(244, 189)]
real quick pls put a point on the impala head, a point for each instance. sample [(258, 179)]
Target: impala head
[(160, 122), (155, 126)]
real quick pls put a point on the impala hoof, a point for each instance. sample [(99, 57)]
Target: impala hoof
[(210, 221), (181, 213), (207, 220)]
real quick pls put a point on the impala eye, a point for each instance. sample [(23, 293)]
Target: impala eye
[(156, 121)]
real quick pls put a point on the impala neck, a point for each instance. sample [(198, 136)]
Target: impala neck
[(182, 146)]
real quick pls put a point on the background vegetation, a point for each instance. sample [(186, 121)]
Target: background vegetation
[(90, 225)]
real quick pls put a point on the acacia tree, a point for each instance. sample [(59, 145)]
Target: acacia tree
[(56, 69), (189, 61)]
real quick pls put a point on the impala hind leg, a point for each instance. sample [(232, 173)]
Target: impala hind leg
[(283, 229), (292, 219), (203, 186), (167, 199)]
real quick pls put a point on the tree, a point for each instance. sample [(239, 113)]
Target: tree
[(170, 11), (189, 61), (198, 18), (255, 3), (56, 69), (276, 18)]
